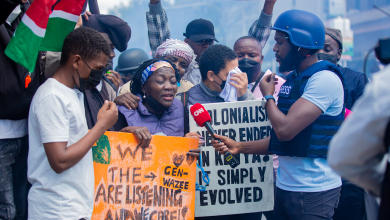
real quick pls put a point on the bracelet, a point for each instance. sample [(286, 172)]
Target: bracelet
[(268, 97)]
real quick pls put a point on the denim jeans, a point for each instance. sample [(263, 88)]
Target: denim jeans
[(13, 178)]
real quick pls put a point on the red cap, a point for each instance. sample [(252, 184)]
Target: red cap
[(200, 114)]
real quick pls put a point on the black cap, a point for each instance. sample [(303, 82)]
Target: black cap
[(117, 29), (200, 29)]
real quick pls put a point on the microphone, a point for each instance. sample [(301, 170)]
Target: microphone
[(203, 119)]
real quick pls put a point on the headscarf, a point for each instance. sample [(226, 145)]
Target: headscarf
[(153, 67), (172, 47)]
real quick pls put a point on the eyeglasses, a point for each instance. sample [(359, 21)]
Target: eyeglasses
[(205, 42)]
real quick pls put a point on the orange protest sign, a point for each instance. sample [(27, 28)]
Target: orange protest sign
[(131, 182)]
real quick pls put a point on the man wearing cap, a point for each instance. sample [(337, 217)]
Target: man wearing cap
[(351, 205), (200, 32), (354, 81), (117, 33)]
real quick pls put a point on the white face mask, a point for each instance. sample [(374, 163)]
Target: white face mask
[(14, 14)]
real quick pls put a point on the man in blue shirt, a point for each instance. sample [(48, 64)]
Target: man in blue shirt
[(310, 110)]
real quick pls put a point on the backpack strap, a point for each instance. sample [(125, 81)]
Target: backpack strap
[(257, 81), (184, 100)]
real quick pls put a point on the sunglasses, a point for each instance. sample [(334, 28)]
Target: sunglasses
[(205, 42)]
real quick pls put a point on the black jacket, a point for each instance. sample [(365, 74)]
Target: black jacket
[(15, 99), (354, 85)]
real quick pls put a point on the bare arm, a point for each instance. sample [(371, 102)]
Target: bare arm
[(269, 6), (62, 158), (301, 114), (249, 147)]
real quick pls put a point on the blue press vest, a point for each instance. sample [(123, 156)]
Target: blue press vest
[(313, 141)]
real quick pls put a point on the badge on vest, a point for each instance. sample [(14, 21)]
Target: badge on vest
[(285, 90)]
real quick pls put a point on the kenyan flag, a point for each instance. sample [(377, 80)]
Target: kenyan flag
[(43, 28)]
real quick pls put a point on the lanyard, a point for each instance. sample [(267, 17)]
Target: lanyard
[(205, 177)]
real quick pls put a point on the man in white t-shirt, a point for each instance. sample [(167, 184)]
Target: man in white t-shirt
[(309, 112), (60, 163)]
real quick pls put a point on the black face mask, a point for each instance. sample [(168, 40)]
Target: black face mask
[(93, 80), (155, 105), (223, 82), (250, 67), (327, 57)]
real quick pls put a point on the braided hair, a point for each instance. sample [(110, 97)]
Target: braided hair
[(136, 82)]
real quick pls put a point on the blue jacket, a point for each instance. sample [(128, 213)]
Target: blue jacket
[(313, 141)]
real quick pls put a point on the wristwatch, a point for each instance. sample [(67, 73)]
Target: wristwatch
[(268, 97)]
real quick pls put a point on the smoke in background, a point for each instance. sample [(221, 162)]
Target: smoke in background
[(233, 18)]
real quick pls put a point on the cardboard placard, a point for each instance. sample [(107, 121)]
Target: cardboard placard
[(249, 187), (131, 182)]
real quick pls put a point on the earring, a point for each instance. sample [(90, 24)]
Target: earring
[(144, 96)]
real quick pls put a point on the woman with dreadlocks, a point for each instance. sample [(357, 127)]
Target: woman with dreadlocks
[(158, 112)]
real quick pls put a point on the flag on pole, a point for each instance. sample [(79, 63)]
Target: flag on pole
[(43, 28)]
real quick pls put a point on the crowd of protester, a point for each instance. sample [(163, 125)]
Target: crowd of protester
[(47, 129)]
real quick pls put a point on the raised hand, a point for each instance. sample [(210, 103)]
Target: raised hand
[(269, 6), (107, 115), (241, 84), (267, 84), (86, 14), (114, 77)]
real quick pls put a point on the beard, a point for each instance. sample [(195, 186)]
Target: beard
[(287, 64)]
